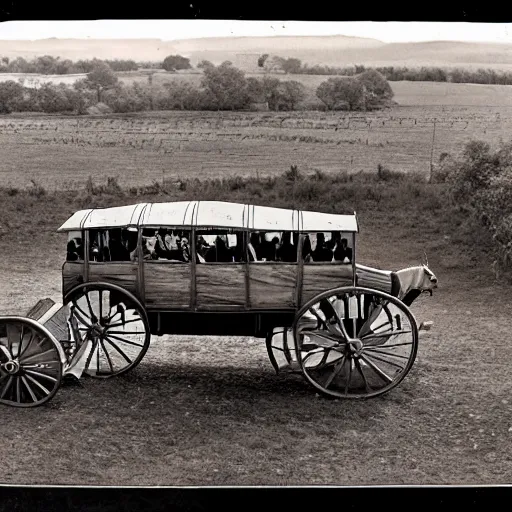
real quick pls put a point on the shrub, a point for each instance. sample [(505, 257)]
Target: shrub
[(36, 190), (293, 174)]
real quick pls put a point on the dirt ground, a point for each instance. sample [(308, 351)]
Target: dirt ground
[(211, 411)]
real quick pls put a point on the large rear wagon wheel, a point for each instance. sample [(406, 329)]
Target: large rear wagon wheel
[(31, 362), (113, 322), (355, 342)]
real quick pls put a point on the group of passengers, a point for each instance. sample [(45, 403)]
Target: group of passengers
[(165, 244), (334, 249), (121, 245)]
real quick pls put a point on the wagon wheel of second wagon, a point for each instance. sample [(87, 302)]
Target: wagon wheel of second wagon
[(355, 342), (31, 362), (113, 325)]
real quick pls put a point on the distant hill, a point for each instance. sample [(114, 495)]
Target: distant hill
[(244, 51)]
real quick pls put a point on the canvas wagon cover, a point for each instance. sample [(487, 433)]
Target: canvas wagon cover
[(210, 214)]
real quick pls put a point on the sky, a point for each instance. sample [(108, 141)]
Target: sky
[(168, 30)]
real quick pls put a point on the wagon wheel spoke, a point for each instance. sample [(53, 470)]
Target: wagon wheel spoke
[(100, 300), (347, 383), (328, 341), (380, 350), (98, 346), (91, 353), (334, 314), (377, 335), (323, 361), (107, 355), (375, 329), (45, 390), (382, 360), (32, 395), (92, 317), (39, 354), (7, 386), (74, 312), (108, 340), (336, 371), (41, 375), (124, 340), (361, 372), (130, 333), (121, 324), (10, 335), (404, 344), (377, 370), (27, 344)]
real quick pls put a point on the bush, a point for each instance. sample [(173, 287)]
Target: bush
[(293, 174), (481, 184)]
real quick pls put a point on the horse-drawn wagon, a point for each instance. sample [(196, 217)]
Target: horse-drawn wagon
[(216, 268)]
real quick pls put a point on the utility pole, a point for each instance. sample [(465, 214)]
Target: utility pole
[(432, 152), (150, 81)]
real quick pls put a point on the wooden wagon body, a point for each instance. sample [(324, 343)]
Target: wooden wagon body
[(243, 297)]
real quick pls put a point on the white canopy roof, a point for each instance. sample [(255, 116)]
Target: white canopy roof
[(209, 214)]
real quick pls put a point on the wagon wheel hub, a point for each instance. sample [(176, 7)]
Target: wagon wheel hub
[(96, 331), (355, 346), (11, 367)]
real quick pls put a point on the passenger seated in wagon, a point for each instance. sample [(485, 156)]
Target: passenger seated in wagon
[(118, 251), (306, 249), (72, 253), (342, 252), (219, 252), (287, 251), (321, 252)]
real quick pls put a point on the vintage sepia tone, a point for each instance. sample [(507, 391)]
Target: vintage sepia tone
[(255, 260)]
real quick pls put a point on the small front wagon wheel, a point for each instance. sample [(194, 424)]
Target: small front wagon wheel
[(114, 325), (31, 363), (355, 342)]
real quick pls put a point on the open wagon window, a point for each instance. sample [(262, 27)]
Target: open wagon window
[(276, 246), (220, 246), (75, 246), (166, 244), (112, 245), (333, 246)]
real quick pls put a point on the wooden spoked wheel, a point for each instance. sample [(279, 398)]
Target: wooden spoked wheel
[(109, 328), (31, 362), (355, 342)]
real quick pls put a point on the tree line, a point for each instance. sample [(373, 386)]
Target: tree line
[(222, 87), (391, 73), (49, 65)]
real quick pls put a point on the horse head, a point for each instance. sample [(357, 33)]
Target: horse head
[(414, 281)]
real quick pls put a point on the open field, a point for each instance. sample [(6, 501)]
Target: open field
[(211, 411), (63, 151)]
